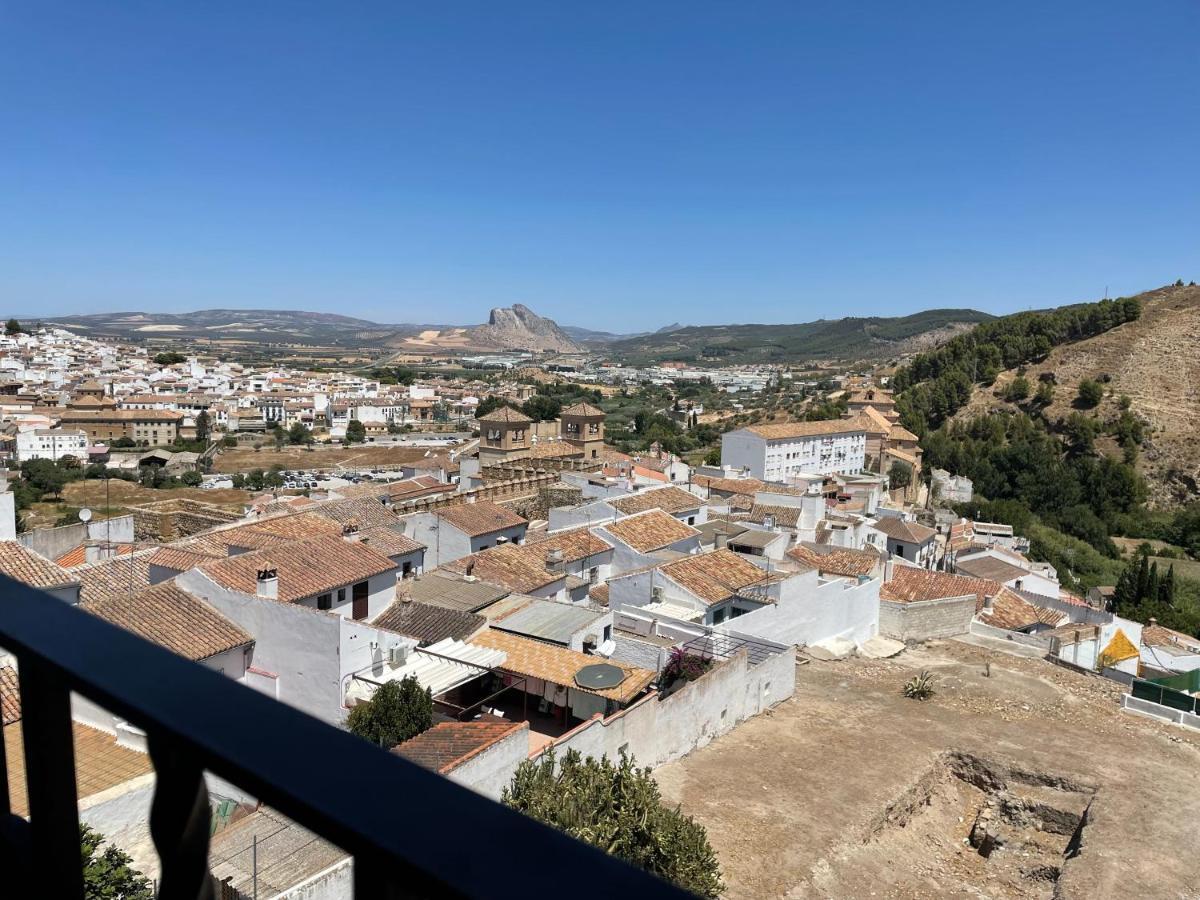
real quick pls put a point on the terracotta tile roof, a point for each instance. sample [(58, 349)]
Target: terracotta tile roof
[(1011, 612), (786, 430), (991, 568), (520, 569), (181, 559), (873, 421), (901, 530), (448, 745), (1157, 636), (838, 561), (172, 618), (295, 527), (575, 543), (78, 556), (389, 541), (476, 519), (900, 433), (715, 576), (582, 409), (650, 531), (100, 763), (10, 695), (22, 564), (507, 415), (121, 576), (910, 585), (746, 486), (668, 499), (599, 594), (366, 512), (427, 623), (558, 665), (305, 567), (786, 516)]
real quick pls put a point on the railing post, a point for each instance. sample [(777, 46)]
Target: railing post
[(49, 741), (180, 823)]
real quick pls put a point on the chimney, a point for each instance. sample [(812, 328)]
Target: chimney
[(350, 530), (554, 561), (722, 540), (268, 584), (989, 603), (1153, 622)]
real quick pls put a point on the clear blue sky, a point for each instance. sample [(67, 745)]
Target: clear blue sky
[(615, 165)]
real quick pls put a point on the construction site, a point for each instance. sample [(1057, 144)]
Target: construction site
[(1018, 778)]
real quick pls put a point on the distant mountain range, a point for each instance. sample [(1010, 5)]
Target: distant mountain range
[(844, 339), (519, 328)]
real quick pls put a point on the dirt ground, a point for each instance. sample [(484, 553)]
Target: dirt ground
[(851, 790), (246, 459), (127, 493)]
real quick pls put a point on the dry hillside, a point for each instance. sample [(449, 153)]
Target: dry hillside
[(1155, 361)]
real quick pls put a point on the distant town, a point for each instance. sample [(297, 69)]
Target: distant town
[(486, 561)]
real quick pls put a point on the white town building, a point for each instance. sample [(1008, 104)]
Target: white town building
[(784, 451), (51, 443)]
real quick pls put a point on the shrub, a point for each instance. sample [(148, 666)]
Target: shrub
[(618, 808), (919, 687), (1090, 394), (399, 710)]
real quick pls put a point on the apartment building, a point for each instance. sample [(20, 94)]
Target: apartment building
[(778, 452)]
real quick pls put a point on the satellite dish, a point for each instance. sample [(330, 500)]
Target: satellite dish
[(85, 515)]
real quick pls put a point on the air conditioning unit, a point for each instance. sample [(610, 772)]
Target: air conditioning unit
[(398, 654)]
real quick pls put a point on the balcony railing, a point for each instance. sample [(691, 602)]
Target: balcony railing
[(410, 831)]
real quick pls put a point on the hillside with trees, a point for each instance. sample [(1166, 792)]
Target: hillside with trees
[(1058, 459)]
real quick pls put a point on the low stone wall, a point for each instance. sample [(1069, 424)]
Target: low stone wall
[(926, 619), (1028, 640), (169, 520), (658, 729), (496, 492)]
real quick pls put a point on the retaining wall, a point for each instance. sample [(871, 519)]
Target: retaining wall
[(657, 730), (926, 619)]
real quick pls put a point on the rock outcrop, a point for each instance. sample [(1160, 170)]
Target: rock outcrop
[(520, 328)]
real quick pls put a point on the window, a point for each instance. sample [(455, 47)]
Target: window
[(607, 632), (406, 570), (691, 520), (593, 574), (718, 616), (341, 595), (324, 601)]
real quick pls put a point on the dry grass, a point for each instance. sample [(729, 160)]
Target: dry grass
[(91, 493), (246, 459)]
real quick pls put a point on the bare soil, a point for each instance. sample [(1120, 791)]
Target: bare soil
[(1027, 782), (246, 459)]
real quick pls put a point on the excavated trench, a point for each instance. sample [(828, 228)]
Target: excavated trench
[(1019, 826)]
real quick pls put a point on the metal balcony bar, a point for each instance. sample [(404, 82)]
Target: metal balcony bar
[(410, 831)]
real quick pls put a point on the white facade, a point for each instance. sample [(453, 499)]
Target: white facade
[(782, 458), (51, 443)]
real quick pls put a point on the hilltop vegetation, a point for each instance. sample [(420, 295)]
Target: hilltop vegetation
[(1067, 481), (852, 338), (937, 384)]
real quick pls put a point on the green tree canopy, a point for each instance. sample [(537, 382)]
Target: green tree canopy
[(1091, 392), (109, 874), (169, 358), (541, 408), (618, 808), (356, 432), (300, 433), (398, 711), (487, 404), (203, 427), (899, 475), (13, 327)]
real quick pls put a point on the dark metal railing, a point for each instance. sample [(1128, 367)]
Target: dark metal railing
[(410, 831)]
